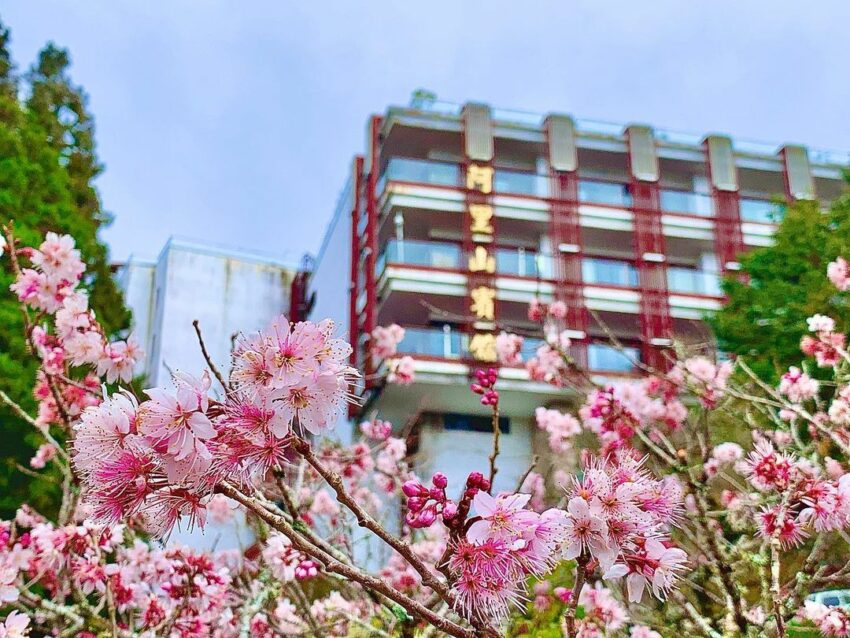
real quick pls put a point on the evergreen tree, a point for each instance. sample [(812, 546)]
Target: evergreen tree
[(784, 284), (47, 167)]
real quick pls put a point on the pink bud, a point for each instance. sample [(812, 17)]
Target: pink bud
[(474, 479), (416, 503), (440, 480), (426, 517), (449, 510), (413, 488)]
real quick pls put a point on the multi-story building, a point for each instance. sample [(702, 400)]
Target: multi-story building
[(454, 218), (226, 289)]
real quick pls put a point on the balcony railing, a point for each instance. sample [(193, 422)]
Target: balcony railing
[(509, 261), (609, 272), (404, 169), (690, 281), (760, 210), (449, 343), (604, 358), (519, 183), (610, 193), (434, 342), (534, 184), (673, 201), (522, 263)]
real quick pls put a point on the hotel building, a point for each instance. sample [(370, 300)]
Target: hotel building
[(455, 217)]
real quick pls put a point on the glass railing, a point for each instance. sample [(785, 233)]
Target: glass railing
[(509, 261), (523, 263), (425, 171), (609, 272), (760, 210), (690, 281), (530, 346), (434, 342), (686, 202), (420, 253), (610, 193), (520, 183), (604, 358)]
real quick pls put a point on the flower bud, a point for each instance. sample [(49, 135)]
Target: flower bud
[(414, 488), (474, 479), (440, 480), (449, 510), (416, 503), (426, 517)]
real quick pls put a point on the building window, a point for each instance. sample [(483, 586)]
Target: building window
[(473, 423)]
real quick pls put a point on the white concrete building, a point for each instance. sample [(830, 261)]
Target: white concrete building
[(227, 290)]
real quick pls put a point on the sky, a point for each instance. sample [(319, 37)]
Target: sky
[(234, 122)]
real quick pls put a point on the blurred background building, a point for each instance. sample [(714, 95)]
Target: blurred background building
[(226, 289), (455, 217)]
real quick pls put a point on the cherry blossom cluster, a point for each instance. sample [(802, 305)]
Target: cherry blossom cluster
[(827, 346), (161, 459), (509, 348), (618, 412), (620, 517), (832, 622), (562, 428), (385, 340), (76, 340), (505, 544)]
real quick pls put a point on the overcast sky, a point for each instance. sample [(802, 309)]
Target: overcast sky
[(234, 122)]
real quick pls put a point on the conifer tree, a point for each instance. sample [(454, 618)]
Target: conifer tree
[(47, 167)]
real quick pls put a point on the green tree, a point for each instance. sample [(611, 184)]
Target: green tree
[(47, 167), (784, 284)]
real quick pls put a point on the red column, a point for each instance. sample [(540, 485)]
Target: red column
[(371, 240), (723, 175), (357, 354), (565, 230), (656, 324)]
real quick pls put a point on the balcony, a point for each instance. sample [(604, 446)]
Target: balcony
[(602, 357), (445, 342), (607, 193), (761, 211), (518, 262), (449, 343), (686, 202), (448, 256), (609, 272), (689, 281)]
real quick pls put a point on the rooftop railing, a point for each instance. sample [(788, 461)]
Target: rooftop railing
[(528, 119)]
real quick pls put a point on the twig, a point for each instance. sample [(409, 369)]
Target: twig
[(197, 325), (497, 432)]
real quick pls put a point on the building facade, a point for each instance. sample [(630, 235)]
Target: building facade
[(227, 290), (455, 217)]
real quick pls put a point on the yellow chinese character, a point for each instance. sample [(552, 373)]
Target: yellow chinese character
[(479, 178), (483, 303), (483, 346), (481, 261), (481, 215)]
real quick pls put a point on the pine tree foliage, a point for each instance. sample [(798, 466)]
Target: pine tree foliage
[(48, 164)]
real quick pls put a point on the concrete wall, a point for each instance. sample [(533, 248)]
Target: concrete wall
[(228, 291)]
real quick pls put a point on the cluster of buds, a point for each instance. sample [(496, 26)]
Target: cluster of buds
[(425, 504), (306, 569), (475, 482), (485, 386)]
